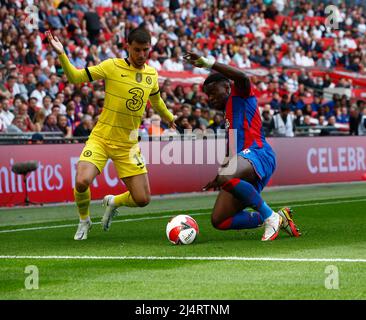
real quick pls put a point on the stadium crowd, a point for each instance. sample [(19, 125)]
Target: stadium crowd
[(35, 95)]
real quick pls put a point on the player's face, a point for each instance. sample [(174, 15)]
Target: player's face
[(217, 93), (138, 53)]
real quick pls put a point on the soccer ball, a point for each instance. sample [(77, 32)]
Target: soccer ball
[(182, 229)]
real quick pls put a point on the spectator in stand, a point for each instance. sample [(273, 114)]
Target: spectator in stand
[(39, 93), (154, 62), (192, 93), (50, 124), (179, 94), (23, 91), (325, 61), (342, 115), (155, 128), (54, 19), (267, 122), (39, 120), (224, 56), (204, 119), (31, 57), (308, 110), (55, 110), (183, 124), (292, 83), (70, 114), (218, 122), (47, 105), (85, 127), (12, 85), (362, 123), (78, 106), (329, 127), (288, 60), (3, 128), (175, 63), (283, 123), (296, 103), (6, 115), (22, 120), (241, 58), (92, 25), (63, 125), (276, 101)]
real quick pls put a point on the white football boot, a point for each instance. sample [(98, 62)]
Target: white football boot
[(272, 226), (109, 213), (83, 229)]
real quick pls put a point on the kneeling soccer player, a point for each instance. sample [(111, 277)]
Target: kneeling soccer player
[(250, 168)]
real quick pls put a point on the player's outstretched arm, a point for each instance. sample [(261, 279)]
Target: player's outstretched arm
[(73, 75), (240, 79), (159, 106)]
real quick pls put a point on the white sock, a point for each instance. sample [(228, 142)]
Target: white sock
[(111, 202), (85, 220)]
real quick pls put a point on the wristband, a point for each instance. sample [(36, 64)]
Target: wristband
[(206, 62)]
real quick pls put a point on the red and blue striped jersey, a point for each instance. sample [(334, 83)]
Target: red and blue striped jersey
[(242, 114)]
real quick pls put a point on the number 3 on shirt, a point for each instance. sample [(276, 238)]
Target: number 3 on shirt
[(136, 102)]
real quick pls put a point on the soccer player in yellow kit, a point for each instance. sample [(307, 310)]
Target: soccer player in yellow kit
[(129, 84)]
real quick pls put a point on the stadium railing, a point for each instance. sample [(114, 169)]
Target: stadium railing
[(27, 138), (57, 137)]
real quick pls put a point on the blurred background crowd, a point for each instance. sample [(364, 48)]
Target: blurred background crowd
[(288, 39)]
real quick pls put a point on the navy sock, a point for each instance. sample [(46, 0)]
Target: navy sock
[(242, 220), (245, 192)]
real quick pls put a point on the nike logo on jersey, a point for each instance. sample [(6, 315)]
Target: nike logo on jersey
[(123, 75)]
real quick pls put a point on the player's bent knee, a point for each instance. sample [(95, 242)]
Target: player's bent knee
[(143, 201), (82, 185), (220, 224), (223, 179)]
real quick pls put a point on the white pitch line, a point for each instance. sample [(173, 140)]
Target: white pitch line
[(168, 216), (235, 258), (94, 223)]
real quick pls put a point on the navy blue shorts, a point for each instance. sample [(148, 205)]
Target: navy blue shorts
[(263, 161)]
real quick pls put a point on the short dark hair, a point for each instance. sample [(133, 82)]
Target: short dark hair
[(215, 77), (140, 35)]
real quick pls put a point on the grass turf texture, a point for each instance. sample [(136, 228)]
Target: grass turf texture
[(331, 218)]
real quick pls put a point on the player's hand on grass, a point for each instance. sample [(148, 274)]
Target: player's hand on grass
[(199, 61), (211, 185), (55, 43)]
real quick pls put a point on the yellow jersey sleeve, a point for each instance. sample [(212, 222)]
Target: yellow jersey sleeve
[(158, 103), (159, 106), (73, 75), (155, 90), (99, 71), (88, 74)]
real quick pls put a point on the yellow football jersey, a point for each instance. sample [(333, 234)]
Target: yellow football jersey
[(127, 91)]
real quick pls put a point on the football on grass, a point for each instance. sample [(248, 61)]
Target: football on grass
[(182, 229)]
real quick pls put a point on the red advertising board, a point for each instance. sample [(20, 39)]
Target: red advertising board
[(178, 167), (319, 160), (173, 167)]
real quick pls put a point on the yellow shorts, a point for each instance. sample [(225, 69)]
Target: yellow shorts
[(127, 161)]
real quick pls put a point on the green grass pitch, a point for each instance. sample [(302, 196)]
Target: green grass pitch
[(134, 260)]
